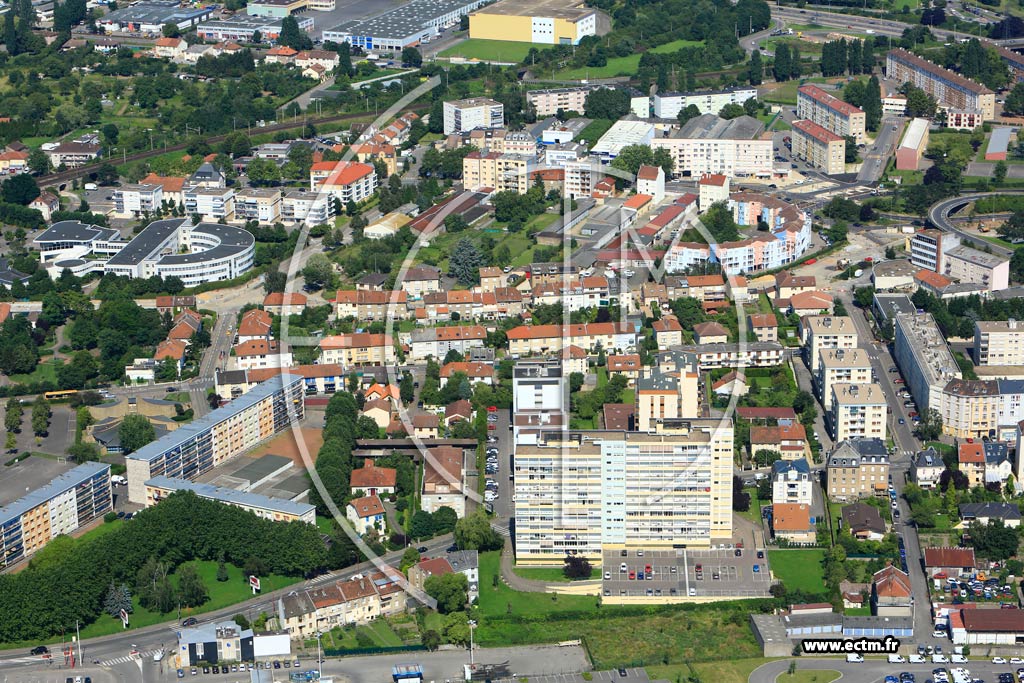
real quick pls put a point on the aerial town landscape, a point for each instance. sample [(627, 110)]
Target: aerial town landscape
[(519, 341)]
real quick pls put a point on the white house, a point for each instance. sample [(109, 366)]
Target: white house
[(365, 514)]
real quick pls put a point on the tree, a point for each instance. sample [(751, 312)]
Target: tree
[(1015, 100), (12, 419), (421, 525), (930, 426), (410, 557), (19, 189), (782, 66), (606, 103), (871, 103), (40, 416), (274, 281), (292, 36), (192, 591), (135, 432), (170, 31), (465, 262), (38, 162), (222, 572), (740, 498), (996, 541), (450, 590), (118, 598), (263, 172), (431, 638), (407, 388), (318, 271), (690, 111), (731, 111), (755, 70), (412, 57), (851, 149), (576, 567), (999, 173), (474, 532), (444, 519)]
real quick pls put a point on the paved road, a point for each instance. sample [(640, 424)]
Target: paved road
[(872, 670), (878, 154), (938, 215)]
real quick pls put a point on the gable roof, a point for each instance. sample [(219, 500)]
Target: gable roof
[(949, 557), (367, 506), (369, 476), (890, 582), (863, 517)]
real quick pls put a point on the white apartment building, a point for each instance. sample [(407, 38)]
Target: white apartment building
[(858, 411), (136, 199), (830, 112), (792, 482), (822, 332), (708, 144), (211, 203), (540, 398), (347, 181), (668, 105), (258, 204), (845, 365), (313, 208), (949, 89), (462, 116), (548, 102), (924, 358), (998, 342), (586, 492)]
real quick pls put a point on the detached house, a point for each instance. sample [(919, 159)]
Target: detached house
[(891, 595), (366, 514), (373, 480), (442, 480)]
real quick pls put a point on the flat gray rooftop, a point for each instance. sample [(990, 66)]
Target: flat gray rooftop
[(711, 127), (261, 468), (401, 21)]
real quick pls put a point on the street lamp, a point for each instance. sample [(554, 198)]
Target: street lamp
[(472, 627)]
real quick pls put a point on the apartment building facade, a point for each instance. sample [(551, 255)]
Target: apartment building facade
[(668, 105), (924, 358), (949, 89), (584, 492), (463, 116), (258, 204), (830, 112), (227, 432), (846, 365), (548, 102), (358, 348), (819, 147), (824, 332), (858, 411), (998, 342), (347, 181), (857, 468), (709, 144), (137, 199), (501, 172)]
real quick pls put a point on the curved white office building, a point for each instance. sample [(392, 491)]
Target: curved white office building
[(207, 252)]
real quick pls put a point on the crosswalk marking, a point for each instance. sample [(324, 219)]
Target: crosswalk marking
[(128, 658)]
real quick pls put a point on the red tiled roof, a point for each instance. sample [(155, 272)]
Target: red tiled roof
[(637, 201), (713, 179), (371, 477), (932, 279), (830, 101), (470, 369), (367, 506), (815, 131), (949, 557), (280, 299), (973, 453), (791, 517), (648, 172)]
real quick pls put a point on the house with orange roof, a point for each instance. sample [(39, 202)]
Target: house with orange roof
[(373, 480), (258, 354), (574, 359), (381, 412), (712, 188), (442, 480), (474, 371), (891, 593), (170, 48), (13, 162), (811, 303), (172, 186), (668, 332), (281, 303), (627, 365), (172, 349), (438, 341), (765, 326), (390, 393), (710, 333), (931, 282), (539, 339), (366, 514), (792, 522), (280, 54), (255, 324), (347, 181), (461, 410), (972, 461), (366, 304), (186, 324), (359, 348), (376, 151), (327, 59), (650, 180), (638, 205), (424, 569)]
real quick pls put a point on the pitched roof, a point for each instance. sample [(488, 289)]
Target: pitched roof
[(257, 347), (710, 329), (281, 299), (468, 368), (713, 179), (648, 172), (367, 506), (949, 557), (370, 476), (170, 348), (972, 453), (863, 517), (890, 582), (763, 320), (255, 323), (462, 407), (932, 279)]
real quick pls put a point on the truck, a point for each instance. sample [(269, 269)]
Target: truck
[(91, 186), (854, 658), (407, 672)]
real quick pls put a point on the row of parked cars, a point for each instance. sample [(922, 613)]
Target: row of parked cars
[(246, 666)]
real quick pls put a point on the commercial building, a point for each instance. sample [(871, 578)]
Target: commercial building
[(548, 22), (911, 149), (548, 102), (277, 9), (819, 147), (244, 27), (275, 509), (830, 112), (857, 468), (949, 89), (622, 133), (206, 252), (924, 358), (928, 247), (415, 22), (572, 494), (987, 627), (841, 365), (858, 411), (222, 435), (668, 105), (998, 342), (709, 144), (822, 332), (150, 17), (64, 505), (226, 642), (463, 116)]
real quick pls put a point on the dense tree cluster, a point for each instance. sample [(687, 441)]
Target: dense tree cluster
[(867, 96), (977, 62), (787, 62), (181, 528), (839, 57)]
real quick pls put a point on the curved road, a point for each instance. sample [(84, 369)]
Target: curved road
[(938, 215)]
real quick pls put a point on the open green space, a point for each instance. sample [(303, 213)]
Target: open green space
[(222, 594), (675, 45), (489, 50), (46, 371), (499, 600), (551, 574), (594, 130), (798, 568), (785, 93), (616, 66), (731, 671)]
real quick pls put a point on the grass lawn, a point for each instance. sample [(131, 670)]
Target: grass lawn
[(45, 371), (594, 130), (551, 574), (324, 524), (858, 611), (234, 590), (490, 50), (898, 5), (675, 45), (785, 93), (602, 377), (809, 676), (731, 671), (616, 66), (799, 568), (501, 600), (179, 396)]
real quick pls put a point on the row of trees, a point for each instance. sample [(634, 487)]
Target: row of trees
[(839, 57)]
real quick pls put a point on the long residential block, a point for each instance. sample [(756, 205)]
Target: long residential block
[(819, 147), (830, 112), (194, 449), (949, 88)]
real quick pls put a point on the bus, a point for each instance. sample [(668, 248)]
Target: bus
[(59, 395)]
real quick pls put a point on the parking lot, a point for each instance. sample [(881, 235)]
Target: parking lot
[(712, 572)]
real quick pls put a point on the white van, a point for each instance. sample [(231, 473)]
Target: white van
[(158, 655), (118, 480), (854, 658), (896, 659)]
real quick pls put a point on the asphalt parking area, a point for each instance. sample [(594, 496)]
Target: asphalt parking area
[(674, 573)]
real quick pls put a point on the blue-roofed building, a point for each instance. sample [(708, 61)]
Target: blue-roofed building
[(791, 482), (196, 448), (62, 506), (276, 509)]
